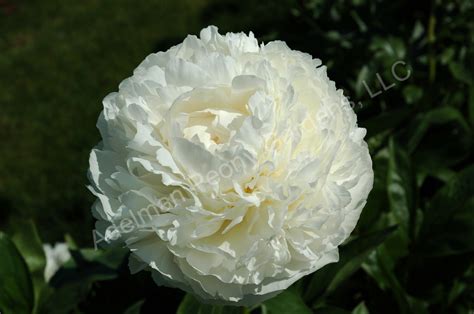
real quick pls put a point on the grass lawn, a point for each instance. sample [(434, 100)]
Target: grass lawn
[(58, 59)]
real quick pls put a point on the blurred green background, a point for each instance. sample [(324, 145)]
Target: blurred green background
[(58, 59)]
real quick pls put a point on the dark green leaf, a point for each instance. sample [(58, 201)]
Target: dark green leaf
[(287, 302), (30, 246), (412, 94), (436, 116), (352, 256), (16, 288), (361, 77), (89, 265), (448, 226), (400, 185), (64, 299), (135, 308), (385, 121), (27, 241), (330, 310), (360, 309), (447, 55), (377, 203), (391, 49), (73, 281), (360, 23), (460, 72), (380, 267), (447, 142), (418, 30), (449, 199), (191, 305)]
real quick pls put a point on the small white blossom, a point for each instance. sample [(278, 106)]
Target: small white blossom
[(56, 256)]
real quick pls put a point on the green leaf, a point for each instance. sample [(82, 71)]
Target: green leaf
[(456, 237), (436, 116), (360, 23), (448, 226), (62, 300), (385, 121), (190, 305), (442, 174), (449, 199), (355, 253), (377, 202), (460, 72), (447, 55), (89, 265), (401, 188), (412, 94), (73, 281), (135, 308), (361, 77), (380, 267), (352, 255), (418, 30), (287, 302), (390, 49), (29, 244), (360, 309), (447, 142), (330, 310), (400, 185), (112, 257), (70, 242), (16, 288)]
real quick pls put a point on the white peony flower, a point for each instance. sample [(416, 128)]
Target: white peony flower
[(230, 169), (56, 256)]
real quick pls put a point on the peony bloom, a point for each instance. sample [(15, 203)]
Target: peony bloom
[(229, 169), (56, 256)]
